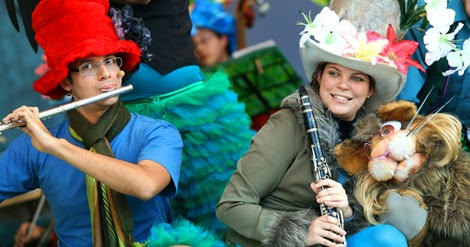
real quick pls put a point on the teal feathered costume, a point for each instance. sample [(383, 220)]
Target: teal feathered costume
[(182, 232), (215, 131)]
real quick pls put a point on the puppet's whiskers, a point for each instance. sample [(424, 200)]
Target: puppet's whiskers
[(429, 118), (419, 109)]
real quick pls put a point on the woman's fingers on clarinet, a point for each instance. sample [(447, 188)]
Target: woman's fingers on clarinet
[(335, 201), (333, 225), (332, 194), (331, 238), (321, 185), (328, 182)]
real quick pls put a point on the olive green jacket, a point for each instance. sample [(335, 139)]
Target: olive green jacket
[(273, 178)]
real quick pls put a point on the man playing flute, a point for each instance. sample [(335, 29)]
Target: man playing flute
[(107, 173)]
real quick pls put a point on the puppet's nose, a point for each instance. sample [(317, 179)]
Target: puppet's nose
[(380, 150)]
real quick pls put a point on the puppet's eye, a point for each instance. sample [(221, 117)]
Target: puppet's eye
[(389, 127)]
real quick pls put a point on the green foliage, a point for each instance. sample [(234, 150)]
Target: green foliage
[(321, 2), (465, 142), (411, 14)]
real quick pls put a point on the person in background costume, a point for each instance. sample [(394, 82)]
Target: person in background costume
[(169, 85), (213, 33), (419, 83), (271, 199), (107, 173), (261, 77)]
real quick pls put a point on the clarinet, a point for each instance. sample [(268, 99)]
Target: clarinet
[(321, 170)]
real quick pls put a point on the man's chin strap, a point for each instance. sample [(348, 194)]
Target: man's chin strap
[(110, 215)]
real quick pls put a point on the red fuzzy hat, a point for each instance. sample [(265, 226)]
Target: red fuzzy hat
[(68, 30)]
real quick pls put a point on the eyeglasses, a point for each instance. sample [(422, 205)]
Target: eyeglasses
[(92, 68), (203, 39)]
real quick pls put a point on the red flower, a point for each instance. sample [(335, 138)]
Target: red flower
[(399, 53)]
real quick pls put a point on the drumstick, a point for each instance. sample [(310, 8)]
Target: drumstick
[(35, 217)]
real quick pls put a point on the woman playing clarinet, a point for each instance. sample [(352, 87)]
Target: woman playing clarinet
[(274, 197)]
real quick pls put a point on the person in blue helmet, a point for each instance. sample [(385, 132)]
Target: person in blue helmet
[(213, 33)]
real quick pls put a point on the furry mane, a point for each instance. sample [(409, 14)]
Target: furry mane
[(441, 180)]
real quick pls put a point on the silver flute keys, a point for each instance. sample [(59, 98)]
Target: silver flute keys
[(67, 107)]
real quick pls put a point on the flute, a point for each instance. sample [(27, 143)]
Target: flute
[(69, 106), (321, 170)]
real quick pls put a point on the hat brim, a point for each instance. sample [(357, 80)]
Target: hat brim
[(49, 83), (388, 80)]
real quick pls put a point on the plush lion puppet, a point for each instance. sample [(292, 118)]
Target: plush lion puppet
[(412, 173)]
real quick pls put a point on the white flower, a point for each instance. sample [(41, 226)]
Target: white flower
[(439, 43), (435, 4), (308, 30), (327, 30), (460, 59), (440, 17), (336, 39)]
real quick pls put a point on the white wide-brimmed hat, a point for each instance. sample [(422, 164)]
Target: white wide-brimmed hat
[(329, 39)]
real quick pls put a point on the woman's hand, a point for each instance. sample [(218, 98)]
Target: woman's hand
[(325, 230), (333, 195)]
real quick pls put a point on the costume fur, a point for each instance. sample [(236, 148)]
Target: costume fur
[(426, 169)]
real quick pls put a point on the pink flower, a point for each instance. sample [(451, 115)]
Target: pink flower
[(367, 46), (399, 52)]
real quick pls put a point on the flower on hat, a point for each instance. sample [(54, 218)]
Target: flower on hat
[(438, 40), (341, 37), (132, 28), (400, 52), (327, 30), (367, 46)]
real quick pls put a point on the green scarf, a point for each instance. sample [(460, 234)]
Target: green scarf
[(110, 216)]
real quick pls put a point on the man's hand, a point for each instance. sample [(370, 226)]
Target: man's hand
[(41, 138), (22, 237)]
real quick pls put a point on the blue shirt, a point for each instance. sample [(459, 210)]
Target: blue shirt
[(458, 85), (23, 168)]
